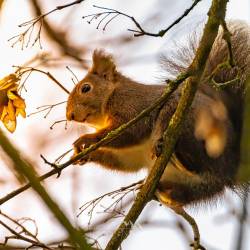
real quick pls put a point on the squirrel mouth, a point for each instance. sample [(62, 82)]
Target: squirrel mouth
[(86, 117)]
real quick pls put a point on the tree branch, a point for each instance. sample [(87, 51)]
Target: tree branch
[(161, 33), (107, 12), (216, 13), (21, 70)]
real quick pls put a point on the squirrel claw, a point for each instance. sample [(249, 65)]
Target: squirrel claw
[(85, 140), (197, 246), (82, 143), (82, 161)]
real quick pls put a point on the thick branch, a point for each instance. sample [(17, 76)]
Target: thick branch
[(25, 168), (216, 13)]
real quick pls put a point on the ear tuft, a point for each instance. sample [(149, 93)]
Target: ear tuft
[(103, 65)]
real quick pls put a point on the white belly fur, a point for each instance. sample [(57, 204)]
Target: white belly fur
[(178, 174), (140, 156), (135, 157)]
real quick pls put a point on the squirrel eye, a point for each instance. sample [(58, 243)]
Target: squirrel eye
[(86, 88)]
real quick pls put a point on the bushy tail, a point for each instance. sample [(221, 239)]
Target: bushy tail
[(233, 94)]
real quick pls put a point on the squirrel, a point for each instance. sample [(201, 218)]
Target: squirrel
[(207, 154)]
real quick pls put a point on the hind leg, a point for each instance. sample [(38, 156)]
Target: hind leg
[(165, 199), (196, 244)]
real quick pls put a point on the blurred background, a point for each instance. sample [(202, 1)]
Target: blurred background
[(69, 40)]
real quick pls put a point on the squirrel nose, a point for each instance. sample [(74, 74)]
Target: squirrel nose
[(71, 116)]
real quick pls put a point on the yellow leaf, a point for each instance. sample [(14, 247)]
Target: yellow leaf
[(11, 95), (7, 81), (4, 113), (21, 112), (6, 85), (11, 110), (14, 88), (19, 103), (11, 103), (9, 123), (3, 98)]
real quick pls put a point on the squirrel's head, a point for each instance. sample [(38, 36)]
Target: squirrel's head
[(88, 100)]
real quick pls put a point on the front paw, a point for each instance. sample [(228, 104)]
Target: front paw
[(85, 140), (83, 160), (158, 147)]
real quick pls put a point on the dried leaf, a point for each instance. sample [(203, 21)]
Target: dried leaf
[(12, 104), (9, 123), (11, 110)]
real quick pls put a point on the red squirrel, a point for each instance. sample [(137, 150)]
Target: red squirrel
[(207, 154)]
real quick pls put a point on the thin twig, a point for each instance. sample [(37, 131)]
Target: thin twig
[(222, 85), (60, 157), (74, 75), (229, 63), (140, 31), (47, 108), (60, 37), (19, 236), (121, 193), (19, 224), (227, 37), (57, 122), (20, 38), (23, 70)]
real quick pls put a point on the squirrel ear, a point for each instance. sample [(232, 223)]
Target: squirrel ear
[(103, 65)]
